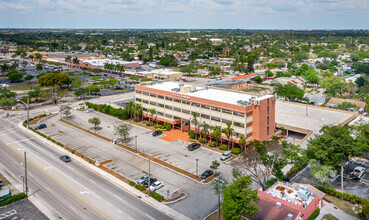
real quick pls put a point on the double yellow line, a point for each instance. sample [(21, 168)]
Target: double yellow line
[(62, 184)]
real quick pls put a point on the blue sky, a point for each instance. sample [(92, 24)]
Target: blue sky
[(244, 14)]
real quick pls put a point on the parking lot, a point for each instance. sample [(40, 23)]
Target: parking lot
[(133, 166), (350, 185)]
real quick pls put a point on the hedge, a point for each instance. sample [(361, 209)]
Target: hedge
[(157, 196), (212, 144), (223, 147), (117, 112), (236, 151), (158, 126), (193, 140), (132, 183), (167, 125), (162, 129), (270, 183), (202, 140), (149, 123), (315, 214), (139, 187), (191, 133), (12, 199)]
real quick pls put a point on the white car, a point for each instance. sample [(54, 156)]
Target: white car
[(157, 185), (358, 172), (226, 155), (90, 110)]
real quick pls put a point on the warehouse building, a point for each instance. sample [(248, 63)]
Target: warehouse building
[(174, 102)]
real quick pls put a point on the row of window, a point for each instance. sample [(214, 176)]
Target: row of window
[(191, 103)]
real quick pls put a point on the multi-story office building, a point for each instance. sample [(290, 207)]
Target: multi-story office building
[(252, 116)]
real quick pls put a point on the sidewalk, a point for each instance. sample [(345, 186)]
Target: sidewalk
[(149, 200), (338, 213)]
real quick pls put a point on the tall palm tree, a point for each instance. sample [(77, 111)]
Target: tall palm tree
[(31, 57), (14, 65), (217, 133), (194, 120), (152, 113), (4, 68), (228, 131), (129, 108), (205, 131), (38, 56), (138, 110), (242, 142), (68, 59), (75, 60)]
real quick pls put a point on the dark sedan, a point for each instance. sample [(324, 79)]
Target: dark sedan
[(41, 126), (207, 174), (193, 146), (157, 133), (65, 158)]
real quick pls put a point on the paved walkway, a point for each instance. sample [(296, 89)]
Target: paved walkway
[(174, 135), (338, 213)]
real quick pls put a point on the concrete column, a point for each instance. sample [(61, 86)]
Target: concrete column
[(181, 124)]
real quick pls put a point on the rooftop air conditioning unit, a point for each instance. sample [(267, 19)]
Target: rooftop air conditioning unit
[(278, 204), (289, 215)]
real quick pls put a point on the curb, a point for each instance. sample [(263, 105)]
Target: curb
[(126, 187)]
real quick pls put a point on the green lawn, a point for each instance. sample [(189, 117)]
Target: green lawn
[(342, 204), (22, 87), (329, 217)]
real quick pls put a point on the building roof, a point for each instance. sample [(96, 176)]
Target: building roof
[(269, 210), (244, 76), (209, 93), (159, 72), (101, 62), (338, 101)]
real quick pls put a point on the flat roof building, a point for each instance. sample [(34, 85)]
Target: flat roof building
[(161, 74), (174, 102)]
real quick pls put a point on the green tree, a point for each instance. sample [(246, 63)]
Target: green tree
[(29, 77), (354, 57), (217, 133), (35, 92), (65, 110), (94, 121), (348, 106), (168, 60), (228, 131), (334, 145), (362, 81), (214, 165), (54, 79), (54, 94), (39, 66), (320, 174), (15, 76), (258, 79), (289, 91), (205, 131), (122, 130), (333, 85), (152, 112), (242, 142), (138, 111), (77, 84), (195, 121), (239, 199), (360, 68), (130, 108)]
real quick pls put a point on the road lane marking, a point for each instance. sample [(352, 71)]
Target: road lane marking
[(72, 208), (96, 195), (45, 168), (108, 203), (118, 197), (47, 188), (150, 216), (93, 181), (62, 184), (24, 140), (84, 192), (71, 168)]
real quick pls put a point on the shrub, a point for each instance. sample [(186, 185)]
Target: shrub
[(48, 138), (158, 126), (132, 183), (236, 151), (299, 165), (90, 161), (12, 199), (270, 183), (149, 123), (314, 215), (191, 133), (212, 144), (167, 125), (162, 129), (73, 151), (193, 140), (157, 196), (139, 187), (135, 119), (223, 147), (202, 140)]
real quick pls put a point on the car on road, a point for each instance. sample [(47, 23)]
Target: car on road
[(1, 183), (207, 174), (65, 158), (41, 126), (146, 182), (193, 146), (157, 185), (226, 155), (90, 110), (358, 173), (156, 133), (142, 179)]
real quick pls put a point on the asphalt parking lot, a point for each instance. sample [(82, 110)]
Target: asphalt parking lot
[(23, 209), (133, 166)]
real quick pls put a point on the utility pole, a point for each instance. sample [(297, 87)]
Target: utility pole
[(25, 172), (307, 110), (136, 142), (342, 179), (148, 186), (219, 181), (27, 105), (197, 165)]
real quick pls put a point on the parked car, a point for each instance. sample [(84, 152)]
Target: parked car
[(193, 146), (146, 182), (157, 185), (41, 126), (156, 133), (1, 183), (65, 158), (90, 110), (358, 173), (206, 174), (226, 155), (142, 179)]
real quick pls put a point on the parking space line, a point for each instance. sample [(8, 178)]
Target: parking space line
[(149, 216)]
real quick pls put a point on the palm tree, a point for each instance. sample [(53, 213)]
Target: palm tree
[(68, 59), (152, 112), (14, 66), (228, 131), (194, 120), (242, 142), (217, 133), (138, 110), (4, 68), (129, 108), (38, 56), (205, 131), (31, 57), (75, 60)]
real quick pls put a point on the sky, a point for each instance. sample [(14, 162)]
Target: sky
[(185, 14)]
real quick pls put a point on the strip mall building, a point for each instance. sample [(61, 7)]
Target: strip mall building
[(252, 116)]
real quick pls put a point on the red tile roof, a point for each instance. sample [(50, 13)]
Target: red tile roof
[(244, 76)]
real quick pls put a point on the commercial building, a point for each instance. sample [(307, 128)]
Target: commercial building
[(160, 74), (288, 201), (174, 102)]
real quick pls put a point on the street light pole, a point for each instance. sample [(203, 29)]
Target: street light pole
[(197, 165), (25, 172), (136, 142), (148, 186), (27, 105)]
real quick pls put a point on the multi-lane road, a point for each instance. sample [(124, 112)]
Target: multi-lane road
[(67, 190)]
